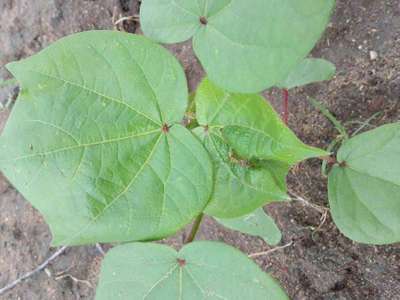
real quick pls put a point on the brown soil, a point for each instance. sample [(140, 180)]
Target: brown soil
[(321, 264)]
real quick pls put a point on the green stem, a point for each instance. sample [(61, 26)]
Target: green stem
[(195, 228), (339, 127), (327, 161)]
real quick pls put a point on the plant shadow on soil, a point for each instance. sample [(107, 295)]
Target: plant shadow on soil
[(320, 264)]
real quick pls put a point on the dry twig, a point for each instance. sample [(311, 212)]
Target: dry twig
[(100, 249), (134, 18), (270, 250), (321, 209), (33, 272), (74, 279)]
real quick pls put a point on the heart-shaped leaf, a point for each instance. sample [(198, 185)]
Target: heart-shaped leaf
[(310, 70), (364, 188), (257, 223), (200, 270), (94, 141), (265, 39)]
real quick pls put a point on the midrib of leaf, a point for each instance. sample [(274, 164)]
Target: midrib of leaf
[(218, 269), (242, 45), (218, 110), (164, 182), (112, 99), (231, 172), (204, 293), (278, 142), (221, 10), (180, 283), (222, 106), (184, 9), (97, 143), (135, 177), (56, 127), (146, 80), (164, 277), (205, 8), (110, 204)]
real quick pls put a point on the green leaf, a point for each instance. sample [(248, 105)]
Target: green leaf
[(310, 70), (88, 142), (364, 188), (250, 125), (257, 223), (201, 270), (244, 47), (241, 186), (251, 148)]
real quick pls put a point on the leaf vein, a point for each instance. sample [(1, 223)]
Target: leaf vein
[(83, 87)]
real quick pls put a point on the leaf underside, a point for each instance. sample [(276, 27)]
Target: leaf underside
[(364, 191), (87, 142), (251, 148), (257, 223), (200, 270), (258, 38)]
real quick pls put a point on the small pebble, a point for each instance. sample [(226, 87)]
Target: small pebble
[(373, 55)]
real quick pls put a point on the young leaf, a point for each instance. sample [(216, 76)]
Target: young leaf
[(257, 223), (94, 141), (308, 71), (265, 39), (250, 125), (200, 270), (241, 186), (364, 188)]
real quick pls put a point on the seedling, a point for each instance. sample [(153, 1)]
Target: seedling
[(96, 143), (243, 47)]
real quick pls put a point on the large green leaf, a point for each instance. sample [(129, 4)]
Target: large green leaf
[(308, 71), (200, 270), (250, 169), (244, 46), (88, 141), (364, 189), (250, 125), (257, 223)]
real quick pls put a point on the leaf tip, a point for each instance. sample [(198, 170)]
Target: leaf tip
[(12, 67)]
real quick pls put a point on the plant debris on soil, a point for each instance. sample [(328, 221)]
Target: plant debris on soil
[(363, 41)]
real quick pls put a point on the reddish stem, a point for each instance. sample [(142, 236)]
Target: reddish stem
[(285, 104)]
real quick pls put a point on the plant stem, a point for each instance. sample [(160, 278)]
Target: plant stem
[(285, 104), (195, 228), (325, 111)]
